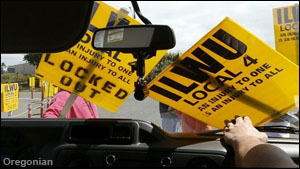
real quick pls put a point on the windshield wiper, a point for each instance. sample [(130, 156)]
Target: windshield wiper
[(277, 129)]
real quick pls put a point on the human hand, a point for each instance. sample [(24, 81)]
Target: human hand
[(241, 132)]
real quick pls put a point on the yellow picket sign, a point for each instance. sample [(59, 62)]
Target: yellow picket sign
[(55, 90), (226, 73), (286, 29), (51, 90), (48, 90), (2, 96), (9, 97), (31, 81), (41, 83), (104, 78)]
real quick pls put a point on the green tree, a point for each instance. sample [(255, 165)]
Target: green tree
[(33, 59), (168, 59)]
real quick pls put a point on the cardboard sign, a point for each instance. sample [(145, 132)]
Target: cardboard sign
[(31, 81), (286, 29), (229, 72), (9, 97), (104, 78)]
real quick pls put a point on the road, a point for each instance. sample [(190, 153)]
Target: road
[(147, 109)]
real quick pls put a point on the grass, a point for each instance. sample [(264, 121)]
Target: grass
[(21, 79)]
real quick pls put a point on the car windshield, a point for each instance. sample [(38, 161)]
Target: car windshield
[(192, 23)]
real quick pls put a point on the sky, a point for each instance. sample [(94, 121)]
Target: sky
[(191, 20)]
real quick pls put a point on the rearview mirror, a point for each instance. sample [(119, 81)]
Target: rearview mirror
[(134, 38)]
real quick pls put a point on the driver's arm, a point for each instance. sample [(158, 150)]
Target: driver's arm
[(251, 146)]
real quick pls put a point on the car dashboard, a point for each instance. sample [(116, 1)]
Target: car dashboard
[(117, 143)]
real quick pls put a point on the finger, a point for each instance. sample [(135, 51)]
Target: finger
[(226, 129), (247, 120), (226, 121), (265, 138), (233, 121), (230, 125), (239, 120), (236, 116)]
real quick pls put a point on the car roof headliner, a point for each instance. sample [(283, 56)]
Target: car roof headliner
[(43, 26)]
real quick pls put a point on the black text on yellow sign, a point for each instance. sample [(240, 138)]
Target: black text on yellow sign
[(9, 97), (287, 18), (286, 29), (96, 82), (229, 72), (104, 78)]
